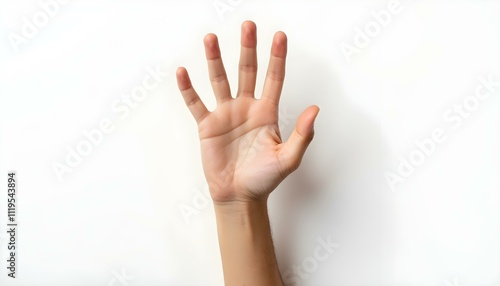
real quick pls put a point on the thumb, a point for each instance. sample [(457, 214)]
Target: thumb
[(293, 150)]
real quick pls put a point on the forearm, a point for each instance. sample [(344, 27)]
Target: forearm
[(246, 245)]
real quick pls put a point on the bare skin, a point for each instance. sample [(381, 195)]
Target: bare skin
[(244, 158)]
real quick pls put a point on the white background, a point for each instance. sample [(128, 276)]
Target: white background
[(119, 217)]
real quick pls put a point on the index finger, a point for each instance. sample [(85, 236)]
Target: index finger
[(276, 70)]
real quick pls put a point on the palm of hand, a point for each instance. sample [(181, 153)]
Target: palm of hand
[(243, 155), (240, 144)]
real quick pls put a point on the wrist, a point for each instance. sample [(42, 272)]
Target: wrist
[(245, 240), (240, 208)]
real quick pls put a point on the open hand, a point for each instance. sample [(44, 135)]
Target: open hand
[(243, 156)]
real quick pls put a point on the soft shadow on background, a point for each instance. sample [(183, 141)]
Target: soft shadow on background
[(337, 194)]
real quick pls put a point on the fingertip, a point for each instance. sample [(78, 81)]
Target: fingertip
[(305, 123), (316, 110), (280, 35), (311, 112), (211, 43), (209, 37), (183, 80), (248, 34), (279, 48), (180, 71), (210, 40), (248, 25)]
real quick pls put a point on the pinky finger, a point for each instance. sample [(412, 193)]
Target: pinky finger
[(191, 98)]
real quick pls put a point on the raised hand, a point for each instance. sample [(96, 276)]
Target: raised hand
[(243, 155)]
